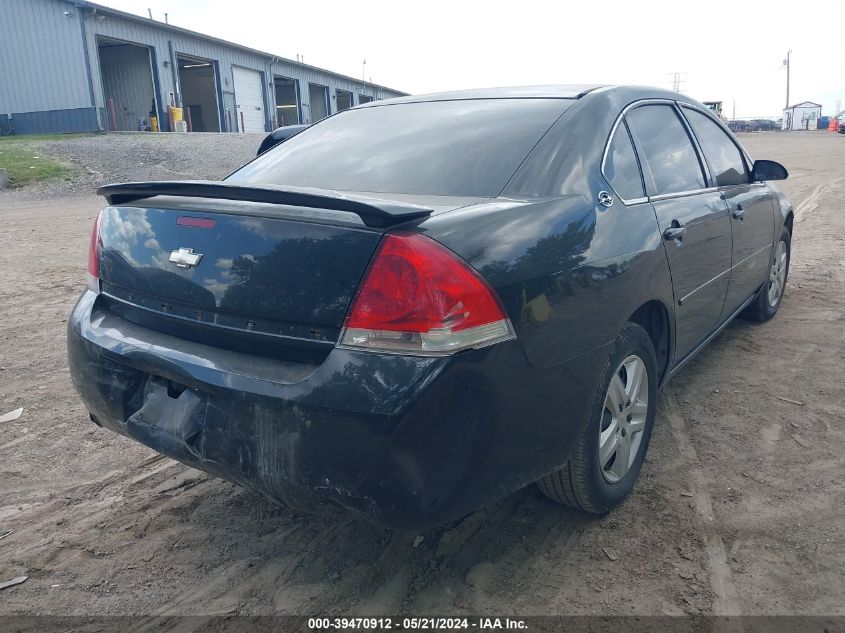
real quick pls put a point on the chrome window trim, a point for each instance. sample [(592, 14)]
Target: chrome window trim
[(693, 140), (709, 179), (609, 139), (626, 202), (746, 159), (682, 194)]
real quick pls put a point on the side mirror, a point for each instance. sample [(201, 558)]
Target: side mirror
[(768, 170), (269, 142)]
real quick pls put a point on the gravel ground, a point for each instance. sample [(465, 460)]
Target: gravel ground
[(129, 156), (740, 508)]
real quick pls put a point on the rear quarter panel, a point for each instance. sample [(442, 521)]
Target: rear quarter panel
[(569, 271)]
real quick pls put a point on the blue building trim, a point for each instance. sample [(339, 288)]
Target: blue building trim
[(298, 101), (218, 86), (87, 57), (52, 121), (161, 108), (265, 91)]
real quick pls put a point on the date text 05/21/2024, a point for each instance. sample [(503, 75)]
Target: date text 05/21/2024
[(425, 623)]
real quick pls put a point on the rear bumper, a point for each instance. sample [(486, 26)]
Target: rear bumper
[(407, 441)]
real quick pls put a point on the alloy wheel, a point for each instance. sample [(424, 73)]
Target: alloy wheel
[(623, 419), (777, 275)]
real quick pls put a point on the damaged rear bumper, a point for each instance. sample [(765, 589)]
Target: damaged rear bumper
[(407, 441)]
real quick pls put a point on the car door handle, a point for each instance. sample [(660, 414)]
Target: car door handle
[(674, 232), (738, 213)]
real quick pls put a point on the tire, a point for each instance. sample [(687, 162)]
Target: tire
[(764, 307), (585, 482)]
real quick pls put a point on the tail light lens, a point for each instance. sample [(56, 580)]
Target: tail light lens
[(420, 298), (94, 256)]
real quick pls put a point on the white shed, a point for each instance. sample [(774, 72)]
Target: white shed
[(802, 116)]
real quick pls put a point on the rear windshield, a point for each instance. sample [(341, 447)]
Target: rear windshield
[(449, 148)]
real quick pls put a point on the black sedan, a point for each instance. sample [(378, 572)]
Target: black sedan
[(420, 305)]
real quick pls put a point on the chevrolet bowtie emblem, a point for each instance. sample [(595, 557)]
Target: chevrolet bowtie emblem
[(185, 257)]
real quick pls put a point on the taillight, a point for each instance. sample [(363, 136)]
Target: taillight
[(94, 256), (420, 298)]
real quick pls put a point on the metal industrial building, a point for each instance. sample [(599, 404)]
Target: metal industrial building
[(75, 66)]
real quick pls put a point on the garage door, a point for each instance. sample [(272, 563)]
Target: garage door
[(249, 100)]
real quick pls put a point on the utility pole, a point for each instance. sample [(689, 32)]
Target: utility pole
[(677, 80), (786, 63)]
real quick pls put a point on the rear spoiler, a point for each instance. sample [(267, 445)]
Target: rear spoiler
[(373, 211)]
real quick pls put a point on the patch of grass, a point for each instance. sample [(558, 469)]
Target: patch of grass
[(25, 164), (18, 138)]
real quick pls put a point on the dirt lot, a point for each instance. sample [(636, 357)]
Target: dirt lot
[(740, 508)]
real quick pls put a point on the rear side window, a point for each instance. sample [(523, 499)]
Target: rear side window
[(722, 154), (451, 148), (621, 168), (666, 149)]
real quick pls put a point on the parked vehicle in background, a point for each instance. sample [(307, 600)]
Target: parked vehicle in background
[(739, 126), (279, 135), (764, 125), (420, 305), (753, 125)]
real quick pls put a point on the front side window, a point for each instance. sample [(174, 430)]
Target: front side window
[(621, 168), (666, 149), (722, 154)]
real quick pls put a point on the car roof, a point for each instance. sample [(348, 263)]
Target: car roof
[(609, 93), (568, 91)]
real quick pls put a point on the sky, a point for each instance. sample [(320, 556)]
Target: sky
[(725, 51)]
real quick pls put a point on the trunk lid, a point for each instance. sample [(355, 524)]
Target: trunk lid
[(267, 285), (268, 279)]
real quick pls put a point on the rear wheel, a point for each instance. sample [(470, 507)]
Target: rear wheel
[(768, 299), (610, 451)]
